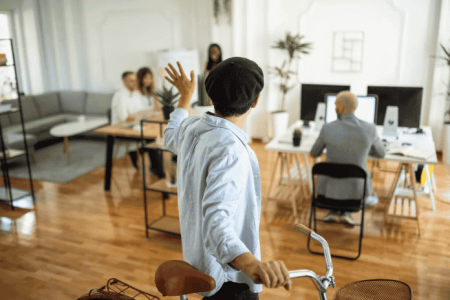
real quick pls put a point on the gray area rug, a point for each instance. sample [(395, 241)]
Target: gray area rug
[(86, 155)]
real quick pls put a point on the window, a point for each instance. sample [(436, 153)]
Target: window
[(5, 28), (8, 86)]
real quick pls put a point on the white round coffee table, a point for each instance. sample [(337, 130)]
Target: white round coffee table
[(73, 128)]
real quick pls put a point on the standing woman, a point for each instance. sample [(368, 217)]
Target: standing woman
[(146, 87), (214, 57)]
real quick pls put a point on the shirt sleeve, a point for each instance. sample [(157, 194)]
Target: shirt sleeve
[(172, 132), (319, 145), (377, 149), (224, 193), (119, 109)]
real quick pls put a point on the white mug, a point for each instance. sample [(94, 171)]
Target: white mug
[(81, 118)]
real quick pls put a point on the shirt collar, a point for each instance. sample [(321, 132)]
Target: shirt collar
[(212, 120), (127, 92), (348, 116)]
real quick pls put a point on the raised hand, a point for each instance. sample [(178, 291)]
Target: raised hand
[(185, 87)]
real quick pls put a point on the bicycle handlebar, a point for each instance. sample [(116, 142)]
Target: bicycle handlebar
[(321, 282)]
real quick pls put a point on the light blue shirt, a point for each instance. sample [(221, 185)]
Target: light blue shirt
[(219, 195)]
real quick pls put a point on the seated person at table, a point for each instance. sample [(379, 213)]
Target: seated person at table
[(348, 141), (146, 88), (126, 102)]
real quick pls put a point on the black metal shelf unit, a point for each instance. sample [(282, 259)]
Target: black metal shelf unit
[(9, 194), (165, 223)]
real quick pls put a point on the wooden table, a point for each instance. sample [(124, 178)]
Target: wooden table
[(151, 131)]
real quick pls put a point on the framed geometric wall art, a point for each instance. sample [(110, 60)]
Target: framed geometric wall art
[(348, 51)]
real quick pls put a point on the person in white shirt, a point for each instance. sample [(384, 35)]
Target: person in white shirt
[(125, 103), (146, 88)]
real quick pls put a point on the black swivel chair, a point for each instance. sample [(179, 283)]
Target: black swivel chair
[(334, 170)]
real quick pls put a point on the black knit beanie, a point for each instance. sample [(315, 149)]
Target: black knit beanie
[(234, 82)]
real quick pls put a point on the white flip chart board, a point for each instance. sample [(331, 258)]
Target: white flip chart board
[(189, 59)]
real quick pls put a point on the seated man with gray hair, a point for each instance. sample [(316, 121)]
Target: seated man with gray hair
[(348, 141)]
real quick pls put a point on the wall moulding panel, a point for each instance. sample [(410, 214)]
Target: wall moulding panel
[(383, 25), (124, 35), (125, 42), (396, 48)]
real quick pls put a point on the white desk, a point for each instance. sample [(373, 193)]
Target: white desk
[(309, 137)]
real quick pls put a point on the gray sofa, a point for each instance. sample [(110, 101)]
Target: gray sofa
[(42, 112)]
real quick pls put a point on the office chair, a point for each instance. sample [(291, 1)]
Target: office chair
[(334, 170)]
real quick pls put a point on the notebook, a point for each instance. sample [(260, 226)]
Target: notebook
[(411, 151)]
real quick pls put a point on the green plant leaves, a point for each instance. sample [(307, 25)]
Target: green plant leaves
[(166, 97), (293, 45)]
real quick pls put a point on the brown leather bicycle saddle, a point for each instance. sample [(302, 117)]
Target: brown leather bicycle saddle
[(177, 278)]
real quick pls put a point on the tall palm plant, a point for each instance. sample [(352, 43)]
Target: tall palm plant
[(294, 47)]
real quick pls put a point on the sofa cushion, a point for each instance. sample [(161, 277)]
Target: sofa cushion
[(29, 110), (48, 104), (44, 124), (72, 102), (38, 126), (4, 120), (98, 103)]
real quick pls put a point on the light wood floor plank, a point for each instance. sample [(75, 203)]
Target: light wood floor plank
[(79, 236)]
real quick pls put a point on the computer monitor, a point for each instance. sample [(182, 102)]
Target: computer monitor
[(313, 94), (407, 99), (366, 110)]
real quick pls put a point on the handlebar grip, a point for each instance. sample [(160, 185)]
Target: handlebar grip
[(303, 229)]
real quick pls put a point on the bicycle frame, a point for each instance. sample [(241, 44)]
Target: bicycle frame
[(322, 283)]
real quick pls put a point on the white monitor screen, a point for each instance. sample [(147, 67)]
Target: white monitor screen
[(366, 110)]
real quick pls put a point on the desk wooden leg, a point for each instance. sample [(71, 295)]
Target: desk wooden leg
[(108, 163), (302, 180), (66, 149), (430, 185), (287, 157), (274, 171), (412, 179), (308, 170), (394, 183), (433, 182), (282, 160)]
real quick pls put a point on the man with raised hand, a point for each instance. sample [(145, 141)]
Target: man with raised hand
[(219, 188)]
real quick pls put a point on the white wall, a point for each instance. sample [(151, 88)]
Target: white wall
[(397, 48), (87, 44), (121, 35), (439, 74)]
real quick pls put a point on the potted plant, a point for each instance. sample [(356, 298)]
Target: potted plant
[(297, 137), (203, 103), (446, 145), (167, 98), (294, 47)]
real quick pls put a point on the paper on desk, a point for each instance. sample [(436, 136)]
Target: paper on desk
[(411, 151)]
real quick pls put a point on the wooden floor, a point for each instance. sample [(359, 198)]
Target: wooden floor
[(78, 236)]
